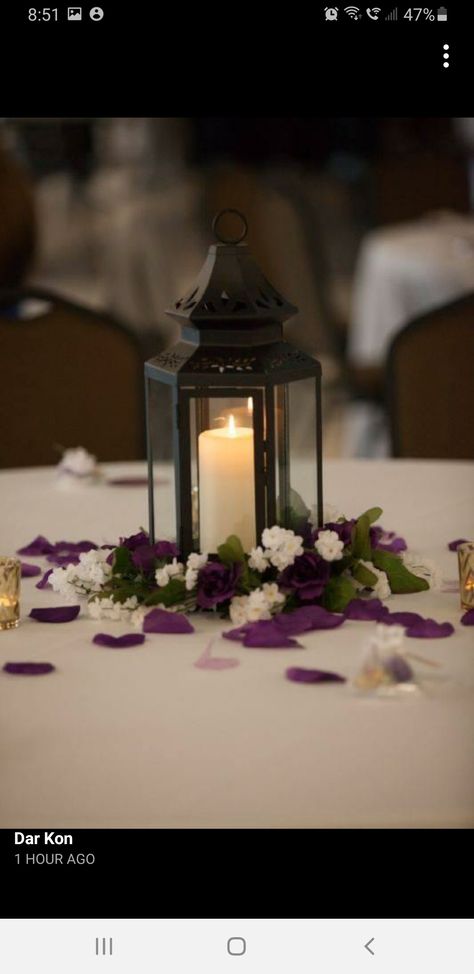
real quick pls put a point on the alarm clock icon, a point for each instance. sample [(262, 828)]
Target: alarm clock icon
[(331, 13), (96, 13)]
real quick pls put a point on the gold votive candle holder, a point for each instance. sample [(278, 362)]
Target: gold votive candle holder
[(466, 574), (10, 575)]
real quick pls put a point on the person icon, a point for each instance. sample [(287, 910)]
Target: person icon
[(96, 13)]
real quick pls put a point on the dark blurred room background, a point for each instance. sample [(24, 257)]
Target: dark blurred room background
[(363, 223)]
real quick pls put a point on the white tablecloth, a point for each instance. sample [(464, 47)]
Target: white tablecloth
[(141, 738), (404, 271)]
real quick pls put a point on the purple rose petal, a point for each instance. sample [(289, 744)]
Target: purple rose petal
[(366, 610), (39, 546), (119, 642), (453, 545), (306, 618), (429, 629), (208, 662), (468, 618), (399, 669), (28, 669), (237, 634), (299, 674), (62, 560), (45, 580), (402, 619), (160, 620), (28, 571), (266, 635), (60, 613)]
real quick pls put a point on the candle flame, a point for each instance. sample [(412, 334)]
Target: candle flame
[(250, 404), (231, 425)]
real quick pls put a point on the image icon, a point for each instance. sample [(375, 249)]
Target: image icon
[(96, 13), (74, 13)]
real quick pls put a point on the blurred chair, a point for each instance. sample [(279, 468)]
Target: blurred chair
[(430, 372), (18, 229), (70, 377)]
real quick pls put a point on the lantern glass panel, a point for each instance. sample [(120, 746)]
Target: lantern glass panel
[(296, 427), (222, 443), (161, 459)]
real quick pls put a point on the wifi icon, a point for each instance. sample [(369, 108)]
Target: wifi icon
[(353, 12)]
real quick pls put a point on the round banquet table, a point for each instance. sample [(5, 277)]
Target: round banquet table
[(142, 738), (405, 271)]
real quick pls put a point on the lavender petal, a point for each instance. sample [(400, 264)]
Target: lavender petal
[(160, 620), (454, 545), (366, 609), (29, 571), (45, 580), (28, 669), (300, 674), (63, 613), (429, 629), (468, 618), (39, 546), (119, 642)]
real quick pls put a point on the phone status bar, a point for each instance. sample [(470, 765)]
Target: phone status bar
[(415, 14)]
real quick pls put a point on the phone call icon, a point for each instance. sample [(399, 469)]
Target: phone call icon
[(373, 12)]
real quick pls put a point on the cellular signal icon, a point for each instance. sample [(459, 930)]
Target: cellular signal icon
[(353, 12), (393, 15)]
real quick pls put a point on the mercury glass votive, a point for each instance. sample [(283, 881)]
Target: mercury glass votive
[(466, 574), (10, 574)]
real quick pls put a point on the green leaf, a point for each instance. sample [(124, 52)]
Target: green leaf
[(122, 563), (363, 575), (373, 514), (338, 593), (231, 551), (361, 538), (174, 593), (401, 580)]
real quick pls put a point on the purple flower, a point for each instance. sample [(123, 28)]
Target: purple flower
[(429, 629), (468, 618), (28, 669), (144, 556), (307, 576), (217, 583), (299, 674), (39, 546), (453, 545), (28, 571), (135, 540), (366, 610), (386, 540), (119, 642), (160, 620), (343, 530)]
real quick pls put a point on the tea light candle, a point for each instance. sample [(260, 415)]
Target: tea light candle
[(226, 486), (10, 574), (466, 574)]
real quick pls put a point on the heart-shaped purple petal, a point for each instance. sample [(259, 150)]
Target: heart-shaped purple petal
[(39, 546), (366, 610), (402, 619), (299, 674), (429, 629), (468, 618), (45, 580), (454, 545), (29, 571), (161, 620), (119, 642), (59, 613), (28, 669)]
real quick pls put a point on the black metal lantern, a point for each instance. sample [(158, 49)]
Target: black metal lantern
[(235, 408)]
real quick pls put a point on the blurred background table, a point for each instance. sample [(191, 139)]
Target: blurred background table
[(141, 738)]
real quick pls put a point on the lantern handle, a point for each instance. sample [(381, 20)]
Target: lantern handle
[(229, 240)]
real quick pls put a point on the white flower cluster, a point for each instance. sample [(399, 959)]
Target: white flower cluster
[(116, 611), (329, 545), (176, 570), (280, 548), (258, 605), (423, 568), (88, 576), (382, 588)]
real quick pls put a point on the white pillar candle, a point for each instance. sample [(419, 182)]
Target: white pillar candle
[(226, 486)]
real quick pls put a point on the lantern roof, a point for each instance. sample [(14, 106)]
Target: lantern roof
[(231, 290)]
